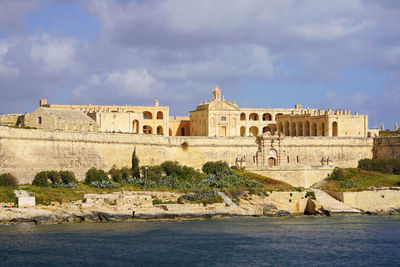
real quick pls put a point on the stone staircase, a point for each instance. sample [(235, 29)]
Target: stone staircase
[(227, 200), (331, 204)]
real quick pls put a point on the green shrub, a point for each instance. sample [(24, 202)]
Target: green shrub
[(348, 183), (152, 173), (311, 194), (115, 174), (9, 180), (125, 173), (54, 176), (338, 174), (68, 177), (213, 167), (41, 179), (135, 170), (390, 166), (171, 168), (95, 175)]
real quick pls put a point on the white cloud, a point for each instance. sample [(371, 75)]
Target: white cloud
[(54, 55), (5, 68)]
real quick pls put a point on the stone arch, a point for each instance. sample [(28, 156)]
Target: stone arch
[(147, 129), (253, 117), (266, 129), (135, 126), (293, 129), (243, 131), (160, 115), (160, 130), (335, 128), (323, 129), (300, 129), (147, 115), (307, 128), (278, 114), (287, 128), (170, 132), (253, 131), (280, 127), (314, 131), (271, 161), (266, 117), (242, 116)]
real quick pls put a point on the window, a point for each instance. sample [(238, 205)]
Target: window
[(223, 118), (40, 120)]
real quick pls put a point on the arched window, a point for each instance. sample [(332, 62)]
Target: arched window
[(160, 130), (287, 129), (160, 115), (307, 129), (300, 129), (266, 117), (147, 129), (293, 129), (135, 126), (253, 117), (314, 129), (147, 115), (253, 131), (334, 128), (243, 131), (243, 117)]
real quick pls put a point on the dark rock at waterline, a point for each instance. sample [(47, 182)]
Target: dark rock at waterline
[(282, 213), (310, 208), (269, 209)]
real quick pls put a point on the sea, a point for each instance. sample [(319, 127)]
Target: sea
[(249, 241)]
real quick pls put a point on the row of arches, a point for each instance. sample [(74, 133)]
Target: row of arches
[(147, 129), (307, 129), (254, 130), (147, 115), (255, 117)]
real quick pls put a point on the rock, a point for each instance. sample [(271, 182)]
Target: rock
[(310, 207), (269, 209), (282, 213)]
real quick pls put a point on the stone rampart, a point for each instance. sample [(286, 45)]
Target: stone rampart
[(24, 152), (387, 147)]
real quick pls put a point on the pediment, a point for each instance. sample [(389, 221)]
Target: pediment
[(222, 105)]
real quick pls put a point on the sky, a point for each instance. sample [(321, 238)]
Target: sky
[(276, 53)]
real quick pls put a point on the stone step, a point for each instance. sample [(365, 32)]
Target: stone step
[(331, 204), (227, 200)]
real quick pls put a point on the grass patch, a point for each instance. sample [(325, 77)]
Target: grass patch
[(267, 183), (359, 180), (388, 133), (7, 195)]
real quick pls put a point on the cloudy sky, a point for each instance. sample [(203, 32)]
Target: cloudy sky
[(321, 54)]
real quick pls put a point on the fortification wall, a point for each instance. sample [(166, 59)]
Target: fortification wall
[(387, 147), (24, 152)]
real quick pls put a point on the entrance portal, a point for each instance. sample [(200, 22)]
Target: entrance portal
[(271, 161)]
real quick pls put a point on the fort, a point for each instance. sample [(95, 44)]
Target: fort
[(296, 145)]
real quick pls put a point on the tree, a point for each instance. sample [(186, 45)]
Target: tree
[(135, 165)]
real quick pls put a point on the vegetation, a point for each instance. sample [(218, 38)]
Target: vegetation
[(64, 179), (201, 196), (7, 195), (387, 133), (8, 180), (353, 179), (390, 166), (158, 201), (135, 165), (95, 175)]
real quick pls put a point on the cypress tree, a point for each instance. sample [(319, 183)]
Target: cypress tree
[(135, 165)]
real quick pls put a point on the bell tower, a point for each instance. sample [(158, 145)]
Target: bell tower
[(216, 94)]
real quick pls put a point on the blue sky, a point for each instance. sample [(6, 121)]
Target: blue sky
[(322, 54)]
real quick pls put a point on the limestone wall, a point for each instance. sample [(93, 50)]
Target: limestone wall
[(387, 147), (9, 119), (303, 176), (371, 200), (24, 152)]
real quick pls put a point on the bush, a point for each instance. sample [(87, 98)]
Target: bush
[(390, 166), (348, 183), (104, 184), (135, 170), (115, 174), (95, 175), (171, 168), (41, 179), (67, 177), (9, 180), (153, 173), (338, 174), (54, 176), (213, 167)]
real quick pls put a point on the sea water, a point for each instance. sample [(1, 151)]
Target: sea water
[(312, 241)]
